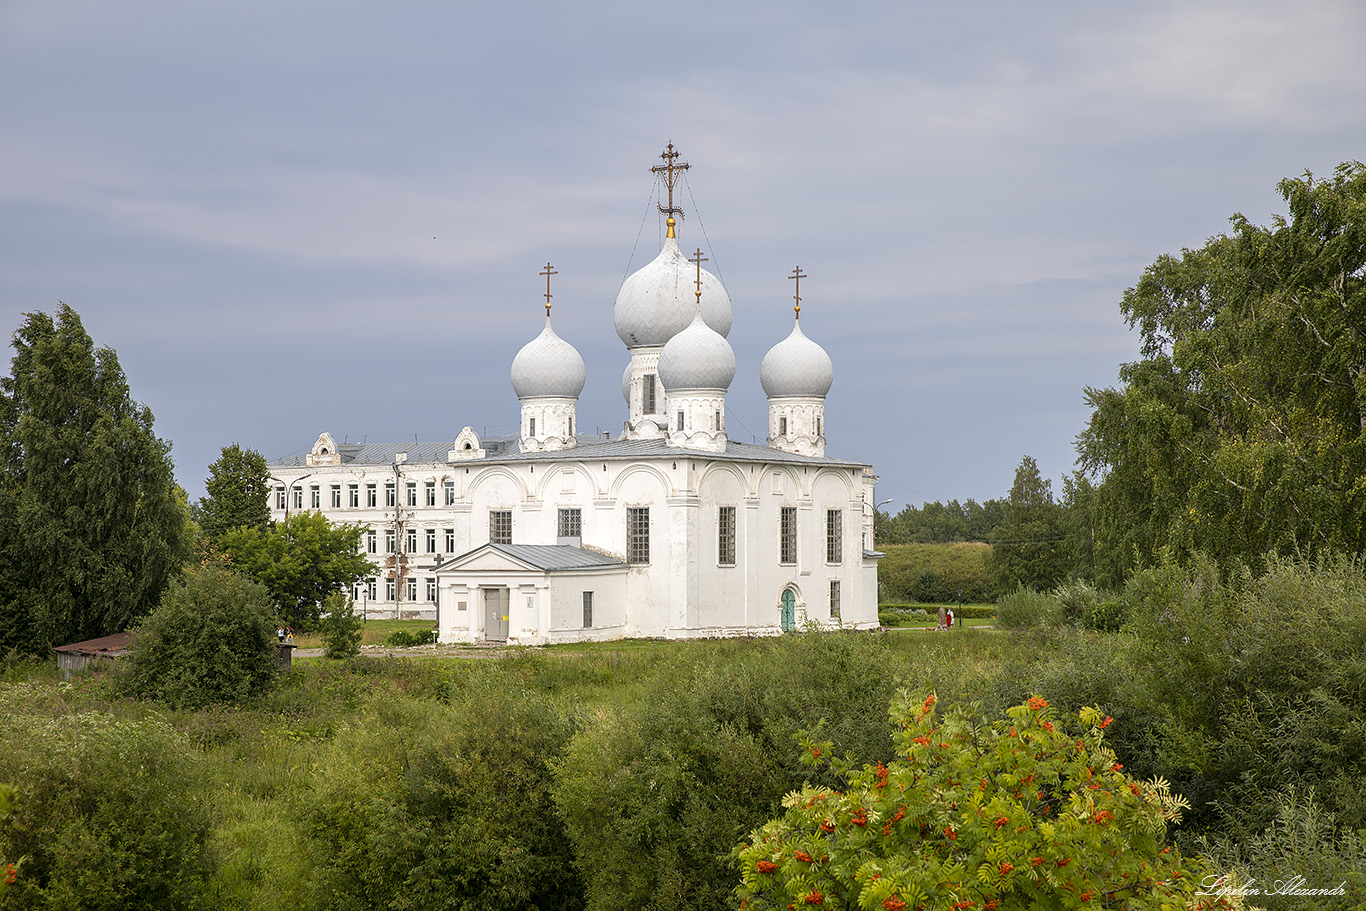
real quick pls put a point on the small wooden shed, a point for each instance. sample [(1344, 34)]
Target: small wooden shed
[(78, 655)]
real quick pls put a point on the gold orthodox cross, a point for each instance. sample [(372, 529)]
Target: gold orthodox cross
[(547, 273), (699, 259), (670, 172), (797, 276)]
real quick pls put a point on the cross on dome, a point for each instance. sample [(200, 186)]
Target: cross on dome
[(670, 172), (797, 276), (547, 273), (699, 259)]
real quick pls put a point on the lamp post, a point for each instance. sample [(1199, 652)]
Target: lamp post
[(289, 488)]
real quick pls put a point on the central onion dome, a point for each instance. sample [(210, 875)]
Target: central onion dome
[(697, 358), (547, 366), (656, 302), (796, 367)]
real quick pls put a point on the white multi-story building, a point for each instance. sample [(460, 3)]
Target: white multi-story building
[(670, 529)]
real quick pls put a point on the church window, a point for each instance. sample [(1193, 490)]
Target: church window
[(647, 389), (353, 495), (500, 526), (533, 427), (725, 536), (389, 589), (570, 523), (370, 495), (298, 498), (782, 427), (429, 490), (450, 540), (638, 534), (412, 493), (834, 599), (787, 534), (450, 493), (411, 542), (336, 496), (587, 609), (371, 542), (411, 593), (389, 493), (680, 421), (834, 536), (388, 540), (571, 427), (431, 589), (818, 426), (431, 541), (315, 497), (716, 421)]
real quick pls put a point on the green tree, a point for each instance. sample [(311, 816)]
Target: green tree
[(238, 492), (92, 525), (973, 814), (1241, 430), (300, 561), (341, 627), (1030, 547), (211, 640)]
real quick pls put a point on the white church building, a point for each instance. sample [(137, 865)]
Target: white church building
[(668, 530)]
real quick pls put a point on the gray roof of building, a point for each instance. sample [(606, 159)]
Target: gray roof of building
[(548, 557), (590, 447)]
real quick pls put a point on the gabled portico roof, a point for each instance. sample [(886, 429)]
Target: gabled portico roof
[(542, 558)]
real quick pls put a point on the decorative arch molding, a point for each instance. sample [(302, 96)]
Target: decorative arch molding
[(723, 468), (792, 482), (324, 452), (666, 488), (487, 475), (843, 475), (554, 474), (465, 447), (789, 622)]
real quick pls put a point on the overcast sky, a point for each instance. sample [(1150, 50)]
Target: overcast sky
[(295, 217)]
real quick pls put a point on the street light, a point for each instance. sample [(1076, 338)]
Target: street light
[(289, 488)]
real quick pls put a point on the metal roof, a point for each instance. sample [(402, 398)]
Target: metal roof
[(503, 450), (545, 557)]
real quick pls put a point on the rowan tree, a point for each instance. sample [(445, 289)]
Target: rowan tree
[(92, 524), (999, 816)]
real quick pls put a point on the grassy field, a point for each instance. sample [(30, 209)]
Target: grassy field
[(373, 632)]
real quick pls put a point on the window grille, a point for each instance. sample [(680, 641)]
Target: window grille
[(570, 523), (834, 536), (587, 609), (500, 526), (787, 534), (725, 536), (834, 599), (638, 534)]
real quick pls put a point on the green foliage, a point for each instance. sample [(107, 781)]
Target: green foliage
[(92, 525), (1031, 546), (1241, 430), (1005, 815), (300, 561), (1303, 846), (408, 639), (464, 820), (238, 493), (935, 573), (341, 627), (1026, 609), (939, 523), (1088, 607), (109, 814), (655, 796), (211, 640)]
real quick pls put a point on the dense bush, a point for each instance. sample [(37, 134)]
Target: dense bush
[(1088, 607), (211, 640), (341, 627), (405, 639), (1013, 814), (656, 797), (110, 814), (1025, 609), (465, 818)]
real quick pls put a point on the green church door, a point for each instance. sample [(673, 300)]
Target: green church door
[(789, 618)]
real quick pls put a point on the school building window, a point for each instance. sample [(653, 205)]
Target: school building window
[(370, 495), (430, 490), (336, 496), (353, 495)]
